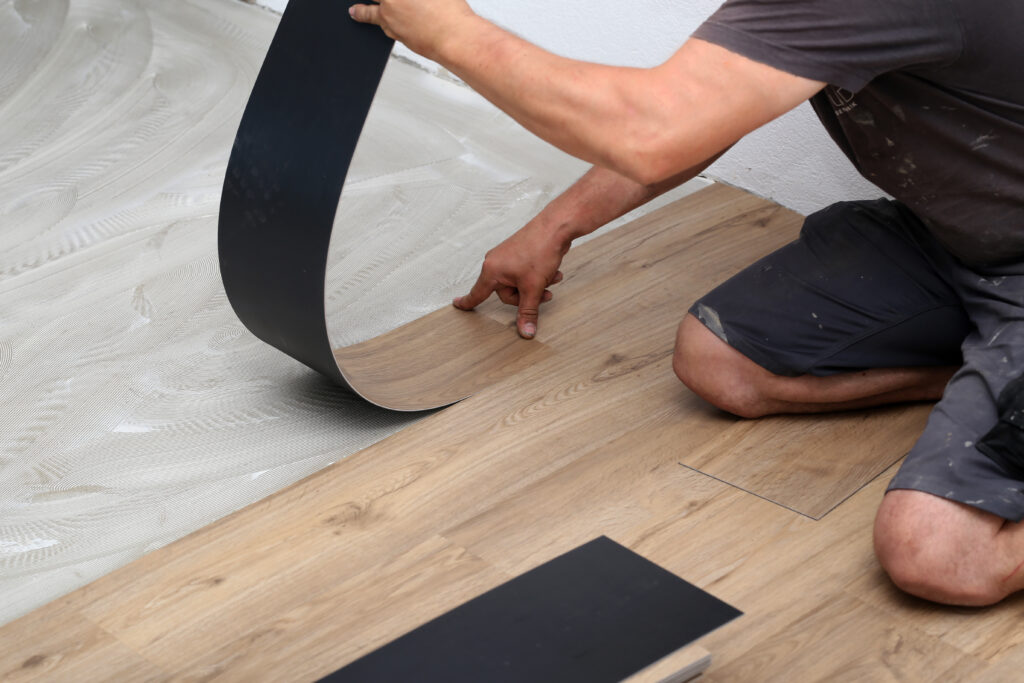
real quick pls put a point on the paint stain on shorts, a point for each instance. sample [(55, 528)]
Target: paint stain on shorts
[(709, 317)]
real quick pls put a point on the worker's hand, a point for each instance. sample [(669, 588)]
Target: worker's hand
[(420, 24), (519, 269)]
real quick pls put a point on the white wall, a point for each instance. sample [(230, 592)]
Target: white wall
[(791, 161)]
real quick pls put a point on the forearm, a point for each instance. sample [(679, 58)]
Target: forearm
[(522, 267), (599, 197)]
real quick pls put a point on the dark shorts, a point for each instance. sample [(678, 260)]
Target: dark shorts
[(867, 286)]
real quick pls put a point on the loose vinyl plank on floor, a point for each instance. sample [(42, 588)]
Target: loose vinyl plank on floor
[(585, 441), (810, 463)]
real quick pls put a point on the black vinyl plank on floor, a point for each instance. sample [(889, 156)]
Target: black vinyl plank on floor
[(597, 613)]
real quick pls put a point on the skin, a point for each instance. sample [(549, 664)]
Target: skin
[(647, 131), (933, 548)]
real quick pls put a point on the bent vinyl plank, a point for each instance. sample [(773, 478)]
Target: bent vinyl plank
[(280, 196), (281, 191), (284, 178)]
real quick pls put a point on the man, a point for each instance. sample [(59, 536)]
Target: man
[(877, 302)]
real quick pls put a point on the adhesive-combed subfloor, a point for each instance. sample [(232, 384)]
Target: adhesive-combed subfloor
[(135, 407)]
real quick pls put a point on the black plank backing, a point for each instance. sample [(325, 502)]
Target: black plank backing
[(597, 613), (286, 172)]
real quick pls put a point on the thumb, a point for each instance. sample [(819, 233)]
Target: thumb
[(529, 309), (365, 13)]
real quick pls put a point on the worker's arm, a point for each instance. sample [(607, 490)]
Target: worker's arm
[(521, 268), (648, 125), (646, 130)]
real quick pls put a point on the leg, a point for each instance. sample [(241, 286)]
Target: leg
[(727, 379), (857, 312), (946, 551), (866, 287), (949, 529)]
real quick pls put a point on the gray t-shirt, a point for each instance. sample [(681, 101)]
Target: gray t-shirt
[(926, 98)]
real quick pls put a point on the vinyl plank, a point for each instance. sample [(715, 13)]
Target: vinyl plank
[(847, 641), (63, 646), (355, 616), (438, 359), (810, 463), (613, 486), (1004, 667), (988, 633)]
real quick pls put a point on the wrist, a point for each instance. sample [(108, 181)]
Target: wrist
[(558, 234), (456, 40), (565, 233)]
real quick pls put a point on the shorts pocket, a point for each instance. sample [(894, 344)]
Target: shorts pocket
[(1004, 443)]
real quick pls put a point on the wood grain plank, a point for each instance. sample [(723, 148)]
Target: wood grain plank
[(810, 463), (612, 487), (42, 647), (356, 616), (1005, 667), (872, 649), (683, 665), (437, 360), (988, 633)]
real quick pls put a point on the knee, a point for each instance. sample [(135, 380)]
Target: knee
[(927, 552), (715, 371)]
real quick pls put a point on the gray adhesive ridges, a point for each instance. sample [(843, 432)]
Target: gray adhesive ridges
[(135, 406)]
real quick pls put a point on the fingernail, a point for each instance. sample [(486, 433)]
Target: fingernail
[(529, 329), (352, 11), (457, 301)]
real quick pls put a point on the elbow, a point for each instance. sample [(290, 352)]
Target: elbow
[(657, 152), (651, 133), (648, 160), (647, 175)]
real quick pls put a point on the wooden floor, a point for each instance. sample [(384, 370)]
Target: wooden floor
[(593, 436)]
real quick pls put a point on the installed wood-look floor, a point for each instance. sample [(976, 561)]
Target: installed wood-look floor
[(594, 437)]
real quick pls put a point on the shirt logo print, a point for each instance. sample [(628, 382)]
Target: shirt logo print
[(840, 98)]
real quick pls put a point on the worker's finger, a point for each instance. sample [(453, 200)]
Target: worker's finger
[(512, 296), (529, 310), (477, 295), (557, 278), (508, 295), (366, 14)]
